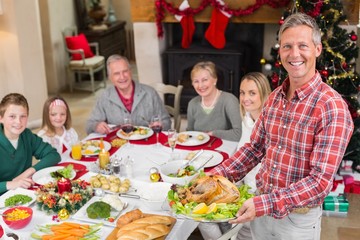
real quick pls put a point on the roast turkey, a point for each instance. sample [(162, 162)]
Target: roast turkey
[(210, 189)]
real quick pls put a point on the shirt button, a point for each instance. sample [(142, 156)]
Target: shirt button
[(271, 185), (284, 126), (274, 166), (279, 147), (284, 106)]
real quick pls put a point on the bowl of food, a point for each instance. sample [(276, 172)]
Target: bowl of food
[(18, 217), (154, 195), (174, 172)]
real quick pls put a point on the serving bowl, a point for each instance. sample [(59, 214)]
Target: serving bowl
[(19, 221), (172, 167), (154, 195)]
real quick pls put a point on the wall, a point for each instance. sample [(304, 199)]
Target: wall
[(22, 63)]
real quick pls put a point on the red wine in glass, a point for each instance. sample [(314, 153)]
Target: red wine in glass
[(127, 128), (156, 128)]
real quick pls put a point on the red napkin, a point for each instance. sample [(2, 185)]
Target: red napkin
[(79, 168), (217, 143)]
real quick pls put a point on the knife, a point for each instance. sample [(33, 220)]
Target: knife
[(193, 159)]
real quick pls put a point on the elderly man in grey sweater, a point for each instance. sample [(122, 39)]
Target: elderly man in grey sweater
[(125, 98)]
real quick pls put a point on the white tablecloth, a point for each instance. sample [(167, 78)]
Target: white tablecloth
[(144, 157)]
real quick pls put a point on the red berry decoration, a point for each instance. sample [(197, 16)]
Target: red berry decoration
[(353, 36), (325, 73), (281, 22), (344, 65), (277, 64)]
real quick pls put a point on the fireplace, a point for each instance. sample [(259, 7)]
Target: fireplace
[(241, 54)]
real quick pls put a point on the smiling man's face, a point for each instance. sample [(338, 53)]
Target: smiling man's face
[(298, 53)]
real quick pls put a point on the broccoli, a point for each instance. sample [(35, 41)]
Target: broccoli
[(98, 209)]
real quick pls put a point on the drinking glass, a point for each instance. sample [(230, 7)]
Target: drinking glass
[(172, 137), (127, 128), (156, 126)]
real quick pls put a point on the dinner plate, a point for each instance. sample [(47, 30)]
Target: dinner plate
[(13, 192), (94, 149), (217, 158), (134, 135), (193, 138), (43, 176), (81, 214)]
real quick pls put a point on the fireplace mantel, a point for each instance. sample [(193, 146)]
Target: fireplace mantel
[(144, 11)]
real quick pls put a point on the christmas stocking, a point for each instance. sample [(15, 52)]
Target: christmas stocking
[(215, 33), (187, 25)]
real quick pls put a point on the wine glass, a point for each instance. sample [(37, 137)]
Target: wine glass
[(127, 128), (172, 137), (156, 126)]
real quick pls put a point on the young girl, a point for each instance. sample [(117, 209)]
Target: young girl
[(56, 125), (18, 145), (254, 90)]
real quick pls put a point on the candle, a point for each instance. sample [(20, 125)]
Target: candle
[(64, 185), (104, 159)]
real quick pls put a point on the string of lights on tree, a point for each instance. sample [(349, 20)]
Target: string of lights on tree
[(336, 63)]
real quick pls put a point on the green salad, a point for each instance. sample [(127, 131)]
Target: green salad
[(222, 211), (183, 172), (63, 173)]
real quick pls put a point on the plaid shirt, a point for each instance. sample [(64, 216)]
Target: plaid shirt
[(300, 144)]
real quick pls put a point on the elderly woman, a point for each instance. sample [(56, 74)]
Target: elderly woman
[(213, 111)]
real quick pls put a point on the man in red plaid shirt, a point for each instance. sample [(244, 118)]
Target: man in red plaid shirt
[(300, 139)]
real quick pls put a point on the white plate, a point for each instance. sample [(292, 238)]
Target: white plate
[(193, 141), (107, 147), (135, 136), (22, 191), (43, 176), (81, 214), (217, 158)]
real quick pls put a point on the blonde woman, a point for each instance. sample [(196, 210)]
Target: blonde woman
[(254, 90), (213, 111)]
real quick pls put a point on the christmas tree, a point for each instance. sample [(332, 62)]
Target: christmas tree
[(336, 63)]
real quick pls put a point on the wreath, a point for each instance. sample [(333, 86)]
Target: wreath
[(48, 199)]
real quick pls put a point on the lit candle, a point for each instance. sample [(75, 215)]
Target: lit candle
[(64, 185), (104, 159)]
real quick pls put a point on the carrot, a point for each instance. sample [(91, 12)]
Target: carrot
[(71, 238), (46, 237), (59, 227), (74, 232), (60, 237), (75, 225)]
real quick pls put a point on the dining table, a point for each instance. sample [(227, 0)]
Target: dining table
[(143, 154)]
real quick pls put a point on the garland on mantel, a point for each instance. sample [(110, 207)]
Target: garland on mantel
[(162, 4)]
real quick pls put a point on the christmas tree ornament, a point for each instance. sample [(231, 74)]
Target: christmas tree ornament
[(215, 33), (277, 46), (281, 21), (325, 73), (277, 64), (268, 67), (263, 61), (63, 214), (187, 25), (353, 36)]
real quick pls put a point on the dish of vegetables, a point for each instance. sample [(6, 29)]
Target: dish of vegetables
[(182, 172)]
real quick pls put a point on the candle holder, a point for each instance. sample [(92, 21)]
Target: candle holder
[(64, 185)]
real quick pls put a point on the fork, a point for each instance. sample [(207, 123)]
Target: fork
[(211, 143)]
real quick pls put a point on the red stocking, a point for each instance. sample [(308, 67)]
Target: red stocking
[(187, 24), (215, 33)]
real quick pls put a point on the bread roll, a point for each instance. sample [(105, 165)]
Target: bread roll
[(152, 231), (154, 220), (129, 217)]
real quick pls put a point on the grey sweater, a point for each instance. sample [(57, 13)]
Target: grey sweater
[(147, 103), (224, 120)]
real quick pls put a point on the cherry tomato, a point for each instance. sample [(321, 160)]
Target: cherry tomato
[(111, 219), (171, 203)]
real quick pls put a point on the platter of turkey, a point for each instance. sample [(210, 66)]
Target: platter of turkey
[(208, 199)]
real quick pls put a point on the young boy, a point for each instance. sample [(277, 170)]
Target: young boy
[(18, 145)]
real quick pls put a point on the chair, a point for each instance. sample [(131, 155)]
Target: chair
[(174, 110), (89, 66)]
